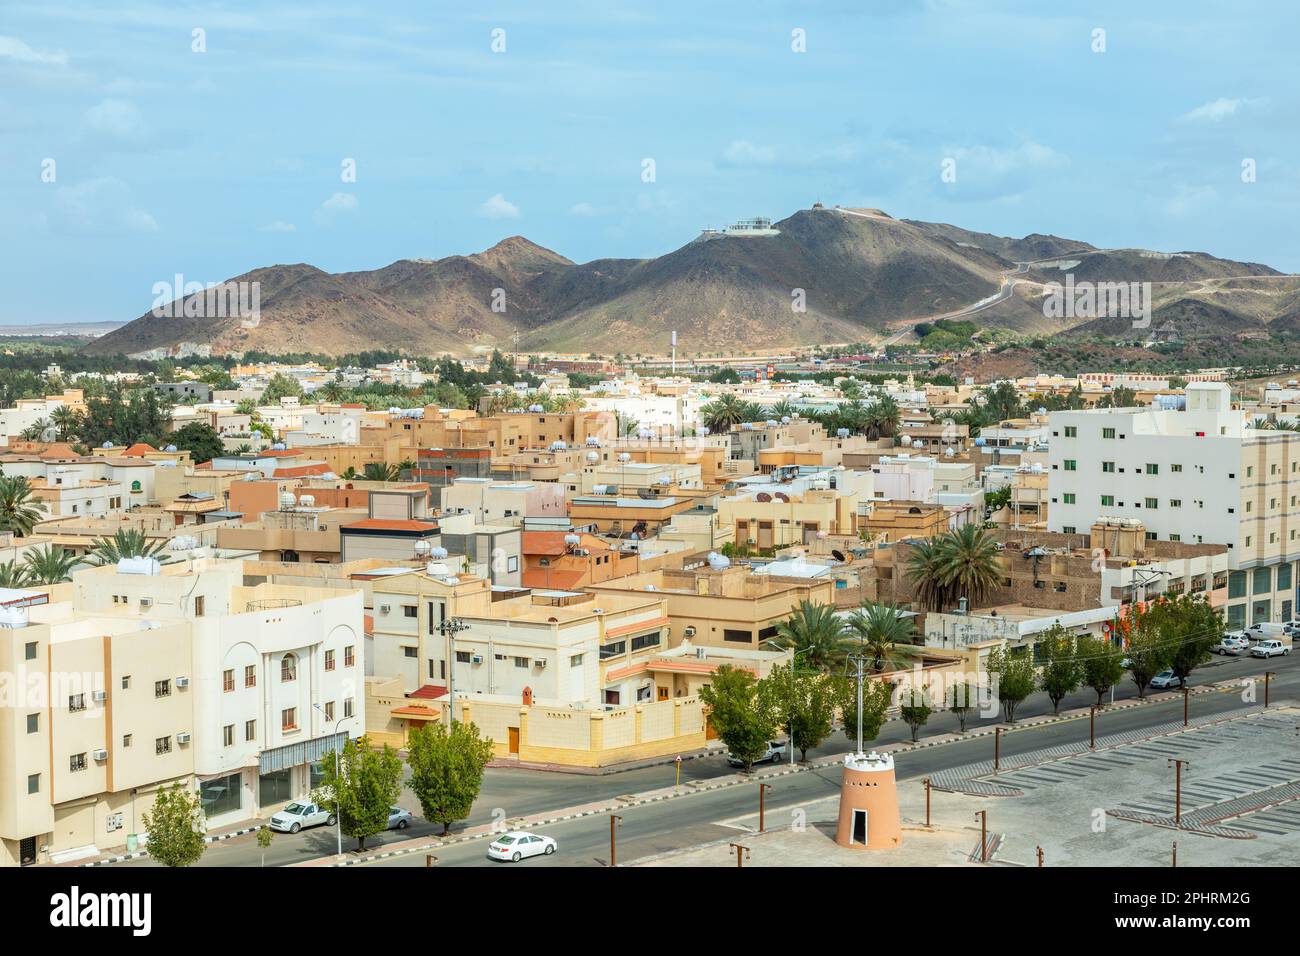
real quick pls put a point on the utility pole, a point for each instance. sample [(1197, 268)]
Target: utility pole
[(614, 820), (741, 853), (997, 749), (926, 781), (859, 662), (449, 629), (983, 816), (1178, 763), (762, 792)]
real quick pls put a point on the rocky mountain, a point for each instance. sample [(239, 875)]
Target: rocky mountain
[(830, 275)]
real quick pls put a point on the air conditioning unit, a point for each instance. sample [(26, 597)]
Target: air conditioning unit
[(385, 608), (99, 754), (690, 631), (182, 682), (476, 659), (146, 602), (540, 664), (183, 737), (99, 696)]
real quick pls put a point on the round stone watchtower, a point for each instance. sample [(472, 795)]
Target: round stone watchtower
[(869, 803)]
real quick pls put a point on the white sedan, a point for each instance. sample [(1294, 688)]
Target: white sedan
[(298, 815), (516, 845)]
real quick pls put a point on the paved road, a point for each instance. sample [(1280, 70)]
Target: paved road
[(520, 793)]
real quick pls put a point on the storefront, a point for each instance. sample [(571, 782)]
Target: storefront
[(292, 772)]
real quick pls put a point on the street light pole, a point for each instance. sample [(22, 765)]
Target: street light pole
[(984, 843), (1178, 763), (762, 792), (741, 853), (614, 820), (449, 628), (338, 769)]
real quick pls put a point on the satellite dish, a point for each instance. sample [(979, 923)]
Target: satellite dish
[(437, 554), (763, 496), (625, 457), (593, 456), (170, 448)]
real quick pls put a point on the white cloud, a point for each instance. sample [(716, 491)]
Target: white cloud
[(338, 205), (116, 120), (742, 152), (498, 207), (98, 207), (279, 226), (13, 48), (1216, 111)]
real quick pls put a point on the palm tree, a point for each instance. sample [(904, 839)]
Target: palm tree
[(36, 431), (727, 410), (1260, 423), (925, 573), (879, 627), (882, 417), (66, 423), (18, 510), (50, 565), (13, 575), (125, 543), (968, 563), (782, 409), (380, 471), (816, 632), (350, 474)]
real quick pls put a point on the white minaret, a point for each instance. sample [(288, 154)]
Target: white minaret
[(674, 351)]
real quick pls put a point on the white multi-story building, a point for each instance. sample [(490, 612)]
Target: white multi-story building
[(1198, 476)]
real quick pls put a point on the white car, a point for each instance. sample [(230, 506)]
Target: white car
[(1231, 645), (1165, 678), (399, 819), (516, 845), (1269, 649), (296, 816), (773, 754)]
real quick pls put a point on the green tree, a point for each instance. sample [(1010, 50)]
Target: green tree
[(877, 696), (961, 700), (1061, 671), (50, 565), (817, 633), (380, 471), (175, 827), (1014, 677), (280, 386), (744, 719), (1149, 650), (264, 837), (447, 770), (200, 439), (878, 627), (925, 573), (19, 511), (806, 701), (13, 575), (968, 564), (1103, 664), (1190, 627), (359, 785), (125, 543), (915, 709)]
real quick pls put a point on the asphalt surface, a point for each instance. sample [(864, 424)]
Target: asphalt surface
[(510, 793)]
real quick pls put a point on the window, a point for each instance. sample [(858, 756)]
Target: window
[(162, 688), (1068, 498), (410, 610), (1071, 465), (1108, 433), (349, 656), (329, 660), (228, 735), (250, 675), (126, 682), (575, 660), (1108, 501), (1071, 431), (1108, 467), (737, 637), (612, 649), (250, 730), (228, 681), (1284, 577), (329, 710), (1067, 529), (406, 652), (77, 702), (29, 651), (347, 707), (162, 745), (521, 662), (126, 740), (1152, 502), (289, 719), (1175, 502), (34, 783), (33, 723), (1237, 584), (1153, 469), (645, 640), (462, 657), (288, 668), (198, 606), (1263, 581), (77, 762)]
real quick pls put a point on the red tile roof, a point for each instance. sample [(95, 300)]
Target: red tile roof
[(139, 450), (650, 625), (302, 471), (428, 692)]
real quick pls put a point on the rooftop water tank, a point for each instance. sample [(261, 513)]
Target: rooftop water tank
[(438, 554), (287, 500), (718, 561), (435, 569), (13, 617), (148, 566)]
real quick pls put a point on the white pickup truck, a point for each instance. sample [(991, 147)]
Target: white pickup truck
[(296, 816)]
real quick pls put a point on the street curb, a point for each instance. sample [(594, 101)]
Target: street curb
[(143, 853)]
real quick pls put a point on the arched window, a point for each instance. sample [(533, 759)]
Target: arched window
[(288, 668)]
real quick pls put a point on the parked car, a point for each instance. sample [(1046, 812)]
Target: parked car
[(1291, 628), (774, 753), (399, 819), (1270, 648), (296, 816), (1231, 645), (1263, 629), (1166, 678), (516, 845)]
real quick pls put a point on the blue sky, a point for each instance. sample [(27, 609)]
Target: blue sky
[(212, 163)]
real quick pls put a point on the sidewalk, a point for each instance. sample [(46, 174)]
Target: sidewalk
[(713, 747), (212, 836)]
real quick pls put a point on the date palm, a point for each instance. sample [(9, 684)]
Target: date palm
[(925, 573), (66, 423), (878, 627), (19, 511), (125, 543), (817, 633), (50, 565), (969, 565), (883, 417), (13, 575), (380, 471), (727, 410)]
